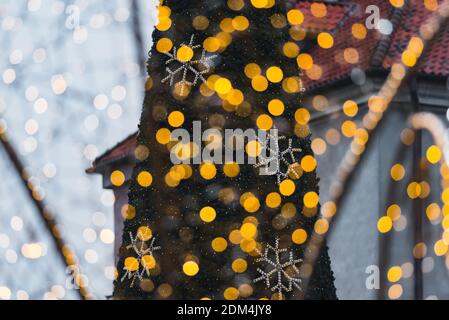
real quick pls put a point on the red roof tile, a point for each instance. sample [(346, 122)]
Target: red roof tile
[(434, 61), (335, 13), (331, 61)]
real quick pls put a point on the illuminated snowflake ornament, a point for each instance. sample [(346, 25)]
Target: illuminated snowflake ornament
[(140, 266), (277, 160), (182, 68), (278, 270)]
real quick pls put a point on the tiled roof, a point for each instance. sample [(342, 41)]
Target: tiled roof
[(335, 13), (331, 61), (376, 50), (435, 59)]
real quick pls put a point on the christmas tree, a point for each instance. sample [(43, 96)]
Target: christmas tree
[(199, 226)]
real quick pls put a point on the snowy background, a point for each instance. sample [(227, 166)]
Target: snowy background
[(70, 87)]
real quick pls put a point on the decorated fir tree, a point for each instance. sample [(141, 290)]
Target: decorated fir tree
[(213, 227)]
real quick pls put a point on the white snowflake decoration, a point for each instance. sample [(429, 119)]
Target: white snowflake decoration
[(197, 67), (141, 251), (278, 271), (272, 159)]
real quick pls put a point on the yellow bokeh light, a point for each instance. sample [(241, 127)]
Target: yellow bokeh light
[(299, 236), (200, 23), (117, 178), (276, 107), (223, 86), (275, 74), (348, 128), (397, 172), (184, 54), (164, 11), (248, 245), (245, 196), (414, 190), (302, 116), (240, 23), (308, 163), (231, 169), (128, 212), (144, 233), (318, 10), (248, 230), (252, 70), (318, 146), (259, 83), (131, 264), (163, 136), (176, 119), (376, 103), (433, 154), (433, 211), (236, 5), (305, 61), (253, 148), (409, 58), (315, 72), (235, 237), (264, 122), (144, 179), (329, 209), (394, 212), (219, 244), (287, 187), (394, 274), (431, 5), (445, 195), (164, 23), (416, 45), (295, 17), (251, 204), (397, 3), (164, 45), (419, 250), (350, 108), (211, 44), (208, 171), (359, 31), (292, 84), (440, 248), (148, 262), (321, 226), (226, 25), (351, 55), (235, 97), (208, 214), (290, 49), (297, 34), (384, 224), (325, 40), (273, 200), (190, 268), (239, 265), (311, 199), (395, 291), (232, 293)]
